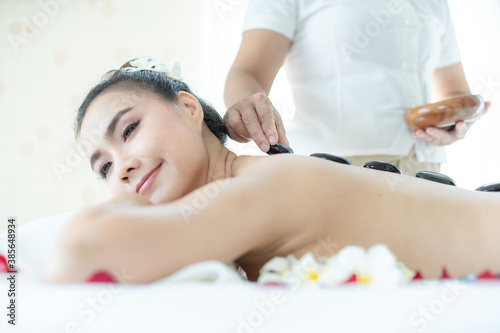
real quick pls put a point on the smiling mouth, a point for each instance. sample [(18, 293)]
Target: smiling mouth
[(148, 180)]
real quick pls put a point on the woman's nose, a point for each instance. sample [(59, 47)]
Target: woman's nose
[(126, 167)]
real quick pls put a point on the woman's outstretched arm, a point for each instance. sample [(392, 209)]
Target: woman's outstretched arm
[(140, 242)]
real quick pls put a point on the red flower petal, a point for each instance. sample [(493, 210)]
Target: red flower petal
[(418, 276), (3, 264), (445, 274), (273, 284), (102, 276), (352, 279), (487, 275)]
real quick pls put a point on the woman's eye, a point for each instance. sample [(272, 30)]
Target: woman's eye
[(104, 169), (129, 129)]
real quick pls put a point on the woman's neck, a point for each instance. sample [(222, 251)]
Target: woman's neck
[(221, 161)]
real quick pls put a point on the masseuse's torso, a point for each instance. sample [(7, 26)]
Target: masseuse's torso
[(354, 66)]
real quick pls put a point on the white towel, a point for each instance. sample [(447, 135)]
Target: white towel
[(211, 271)]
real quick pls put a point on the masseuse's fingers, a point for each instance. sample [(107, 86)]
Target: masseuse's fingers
[(487, 106), (441, 137), (235, 127), (280, 128), (269, 119), (255, 118)]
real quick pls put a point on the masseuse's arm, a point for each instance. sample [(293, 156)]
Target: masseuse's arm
[(250, 113), (448, 82)]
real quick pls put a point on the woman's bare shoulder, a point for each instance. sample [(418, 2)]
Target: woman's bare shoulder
[(283, 164)]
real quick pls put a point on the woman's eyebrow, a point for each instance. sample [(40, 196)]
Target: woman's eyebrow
[(95, 156), (115, 120), (109, 132)]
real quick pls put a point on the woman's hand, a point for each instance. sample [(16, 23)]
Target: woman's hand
[(441, 137), (255, 118)]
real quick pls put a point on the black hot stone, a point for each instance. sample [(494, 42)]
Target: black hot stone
[(382, 166), (333, 158), (495, 187), (436, 177), (279, 149)]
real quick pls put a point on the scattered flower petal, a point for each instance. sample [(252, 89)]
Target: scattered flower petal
[(3, 264), (102, 276), (418, 276), (445, 274), (352, 279), (487, 275)]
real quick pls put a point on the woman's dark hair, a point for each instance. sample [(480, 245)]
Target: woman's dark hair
[(156, 82)]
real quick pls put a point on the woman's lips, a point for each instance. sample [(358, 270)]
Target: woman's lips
[(147, 180)]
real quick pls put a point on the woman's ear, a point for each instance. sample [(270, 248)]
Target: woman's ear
[(190, 105)]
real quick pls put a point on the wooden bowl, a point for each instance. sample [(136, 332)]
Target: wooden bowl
[(445, 114)]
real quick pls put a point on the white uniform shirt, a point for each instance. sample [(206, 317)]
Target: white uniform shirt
[(355, 66)]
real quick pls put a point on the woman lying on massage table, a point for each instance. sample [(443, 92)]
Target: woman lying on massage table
[(182, 197)]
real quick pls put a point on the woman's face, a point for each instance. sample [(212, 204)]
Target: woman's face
[(142, 143)]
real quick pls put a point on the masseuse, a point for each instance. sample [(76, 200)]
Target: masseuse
[(354, 67)]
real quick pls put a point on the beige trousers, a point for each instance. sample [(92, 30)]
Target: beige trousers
[(409, 165)]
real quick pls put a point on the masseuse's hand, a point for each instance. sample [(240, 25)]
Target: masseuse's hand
[(255, 118), (441, 137)]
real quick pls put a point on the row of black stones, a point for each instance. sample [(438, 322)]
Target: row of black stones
[(385, 166)]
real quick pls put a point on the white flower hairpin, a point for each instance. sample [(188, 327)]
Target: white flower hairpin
[(146, 63)]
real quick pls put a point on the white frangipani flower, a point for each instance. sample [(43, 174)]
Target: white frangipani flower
[(375, 266), (307, 268), (145, 63)]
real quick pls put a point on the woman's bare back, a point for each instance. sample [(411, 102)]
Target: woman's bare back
[(325, 206)]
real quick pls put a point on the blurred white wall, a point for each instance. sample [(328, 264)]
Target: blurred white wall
[(475, 160), (53, 51)]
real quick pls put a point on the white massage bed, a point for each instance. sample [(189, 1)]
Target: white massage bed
[(211, 297)]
